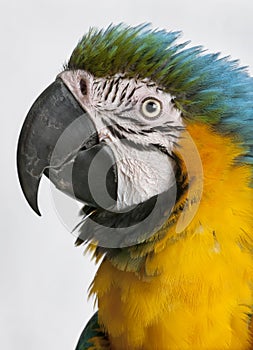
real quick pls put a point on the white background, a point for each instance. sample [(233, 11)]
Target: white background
[(44, 279)]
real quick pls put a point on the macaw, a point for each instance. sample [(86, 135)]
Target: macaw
[(154, 137)]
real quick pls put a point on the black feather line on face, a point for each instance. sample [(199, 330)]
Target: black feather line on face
[(123, 93), (120, 132), (115, 132), (131, 94), (168, 127), (116, 88), (104, 85), (109, 90)]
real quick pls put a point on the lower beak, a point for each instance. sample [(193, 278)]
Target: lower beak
[(59, 139)]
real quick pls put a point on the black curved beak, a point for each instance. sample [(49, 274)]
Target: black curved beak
[(59, 139)]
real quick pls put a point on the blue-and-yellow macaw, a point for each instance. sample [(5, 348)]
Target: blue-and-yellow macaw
[(155, 138)]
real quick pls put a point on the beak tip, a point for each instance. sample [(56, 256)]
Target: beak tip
[(29, 186), (36, 209), (33, 203)]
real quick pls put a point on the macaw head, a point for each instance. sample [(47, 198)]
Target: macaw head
[(108, 130)]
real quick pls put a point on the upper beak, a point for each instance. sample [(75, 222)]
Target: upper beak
[(58, 131)]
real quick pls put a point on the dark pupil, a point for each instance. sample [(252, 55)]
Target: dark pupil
[(151, 107)]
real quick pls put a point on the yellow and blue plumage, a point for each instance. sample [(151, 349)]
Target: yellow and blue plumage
[(189, 288)]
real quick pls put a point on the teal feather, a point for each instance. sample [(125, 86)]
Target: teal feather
[(206, 88), (91, 331)]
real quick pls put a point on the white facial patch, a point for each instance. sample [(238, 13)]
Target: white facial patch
[(142, 174), (115, 105)]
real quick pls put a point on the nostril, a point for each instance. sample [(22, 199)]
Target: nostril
[(83, 87)]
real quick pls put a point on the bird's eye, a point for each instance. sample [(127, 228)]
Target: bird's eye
[(151, 108)]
